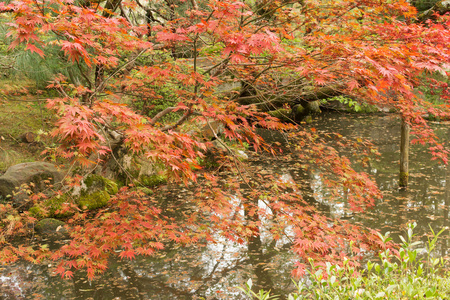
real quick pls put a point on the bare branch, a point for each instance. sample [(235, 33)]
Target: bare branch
[(161, 114), (179, 122)]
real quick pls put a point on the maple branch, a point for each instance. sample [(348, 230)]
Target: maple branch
[(61, 90), (180, 121), (222, 64), (39, 8), (194, 4), (441, 7), (161, 114), (265, 13), (243, 90), (101, 86), (123, 13), (84, 75), (230, 152)]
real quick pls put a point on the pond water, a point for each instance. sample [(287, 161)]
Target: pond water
[(214, 270)]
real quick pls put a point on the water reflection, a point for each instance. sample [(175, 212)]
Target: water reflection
[(212, 270), (427, 199)]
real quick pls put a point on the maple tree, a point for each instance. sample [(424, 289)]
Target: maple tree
[(283, 52)]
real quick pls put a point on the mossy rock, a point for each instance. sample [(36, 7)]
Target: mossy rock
[(145, 190), (365, 109), (50, 226), (37, 212), (312, 108), (95, 192), (299, 112), (53, 206), (283, 114), (94, 200), (98, 182), (152, 180)]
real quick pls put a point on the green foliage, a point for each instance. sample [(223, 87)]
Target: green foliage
[(18, 64), (162, 98), (353, 105), (406, 275), (261, 295)]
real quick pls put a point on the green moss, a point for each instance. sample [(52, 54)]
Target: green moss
[(111, 187), (94, 200), (403, 179), (367, 108), (299, 111), (152, 180), (51, 208), (36, 211), (283, 114), (55, 204), (100, 183), (308, 119), (145, 190)]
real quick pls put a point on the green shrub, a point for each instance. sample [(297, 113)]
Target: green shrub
[(406, 275)]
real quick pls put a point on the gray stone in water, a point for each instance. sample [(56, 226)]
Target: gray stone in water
[(38, 175), (51, 228)]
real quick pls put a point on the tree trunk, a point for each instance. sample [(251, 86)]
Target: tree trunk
[(404, 155)]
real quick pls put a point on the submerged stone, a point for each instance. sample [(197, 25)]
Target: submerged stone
[(51, 227)]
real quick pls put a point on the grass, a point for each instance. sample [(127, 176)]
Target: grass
[(20, 114), (412, 273)]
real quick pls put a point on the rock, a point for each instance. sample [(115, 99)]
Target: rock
[(28, 137), (37, 175), (299, 112), (94, 192), (94, 200), (211, 129), (283, 114), (241, 155), (152, 180), (313, 107), (53, 207), (125, 167), (51, 228)]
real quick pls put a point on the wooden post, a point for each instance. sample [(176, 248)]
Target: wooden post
[(404, 155)]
